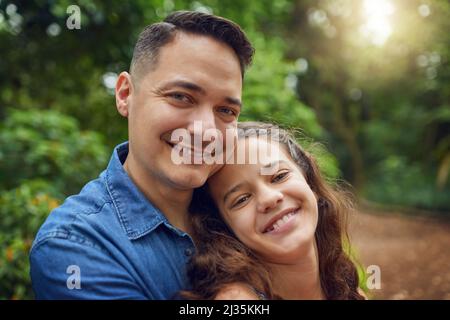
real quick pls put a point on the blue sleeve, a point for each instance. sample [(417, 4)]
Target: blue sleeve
[(65, 269)]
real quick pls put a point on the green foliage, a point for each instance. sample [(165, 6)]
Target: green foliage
[(22, 211), (50, 146), (406, 184), (269, 96), (379, 102)]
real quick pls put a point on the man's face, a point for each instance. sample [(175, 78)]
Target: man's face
[(196, 78)]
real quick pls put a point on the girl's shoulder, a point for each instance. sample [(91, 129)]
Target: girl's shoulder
[(239, 291)]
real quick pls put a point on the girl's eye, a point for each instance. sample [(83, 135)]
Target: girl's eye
[(240, 200), (280, 176)]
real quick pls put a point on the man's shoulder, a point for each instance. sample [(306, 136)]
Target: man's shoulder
[(92, 197), (78, 213)]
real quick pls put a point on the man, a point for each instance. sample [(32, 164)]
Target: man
[(126, 234)]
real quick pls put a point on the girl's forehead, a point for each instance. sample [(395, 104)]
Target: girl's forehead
[(253, 157), (261, 150)]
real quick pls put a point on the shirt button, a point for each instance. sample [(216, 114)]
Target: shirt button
[(188, 252)]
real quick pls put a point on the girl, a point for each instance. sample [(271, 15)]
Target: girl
[(270, 236)]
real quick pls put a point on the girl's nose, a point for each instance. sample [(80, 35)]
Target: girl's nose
[(269, 199)]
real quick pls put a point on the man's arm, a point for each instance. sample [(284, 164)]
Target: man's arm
[(61, 268)]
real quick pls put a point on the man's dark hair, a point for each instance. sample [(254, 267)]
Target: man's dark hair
[(156, 35)]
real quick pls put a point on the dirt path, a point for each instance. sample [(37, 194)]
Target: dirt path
[(413, 254)]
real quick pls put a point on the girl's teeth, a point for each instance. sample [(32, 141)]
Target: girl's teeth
[(281, 221)]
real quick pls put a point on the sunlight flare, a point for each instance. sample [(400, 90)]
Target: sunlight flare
[(377, 26)]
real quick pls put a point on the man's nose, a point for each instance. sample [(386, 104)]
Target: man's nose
[(269, 199), (202, 119)]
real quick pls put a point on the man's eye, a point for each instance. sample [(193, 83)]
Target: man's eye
[(280, 176), (227, 111), (241, 200), (179, 96)]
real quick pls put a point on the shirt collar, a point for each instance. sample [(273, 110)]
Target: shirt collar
[(136, 213)]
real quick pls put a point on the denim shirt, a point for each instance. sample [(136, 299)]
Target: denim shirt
[(109, 242)]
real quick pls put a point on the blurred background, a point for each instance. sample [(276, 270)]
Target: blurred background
[(367, 79)]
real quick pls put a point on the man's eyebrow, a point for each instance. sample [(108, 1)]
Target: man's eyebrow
[(234, 101), (182, 84), (232, 190)]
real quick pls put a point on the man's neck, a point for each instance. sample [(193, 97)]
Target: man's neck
[(172, 202), (300, 280)]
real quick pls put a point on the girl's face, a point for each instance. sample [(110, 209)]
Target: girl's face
[(274, 215)]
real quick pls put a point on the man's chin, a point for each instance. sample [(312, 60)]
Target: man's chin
[(189, 178)]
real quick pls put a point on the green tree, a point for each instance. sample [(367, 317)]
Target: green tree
[(383, 101), (48, 145), (22, 211)]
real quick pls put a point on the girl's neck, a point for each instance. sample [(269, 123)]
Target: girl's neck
[(299, 280)]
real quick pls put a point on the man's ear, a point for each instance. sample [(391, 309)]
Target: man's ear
[(124, 90)]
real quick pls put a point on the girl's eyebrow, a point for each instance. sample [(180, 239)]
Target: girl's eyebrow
[(270, 168), (232, 190), (274, 163)]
